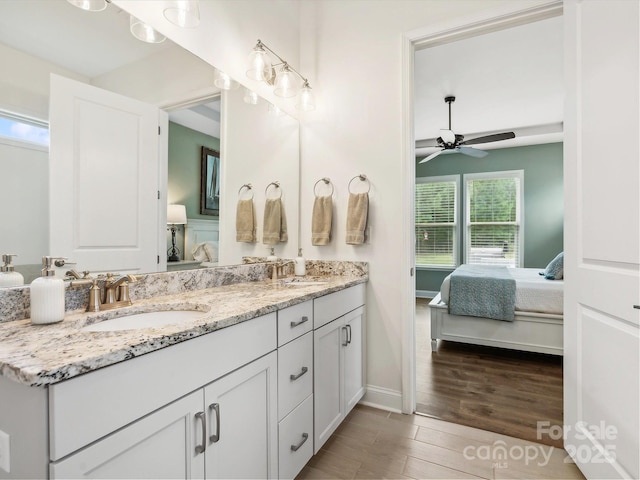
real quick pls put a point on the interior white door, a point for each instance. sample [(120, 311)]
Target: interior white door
[(602, 257), (105, 178)]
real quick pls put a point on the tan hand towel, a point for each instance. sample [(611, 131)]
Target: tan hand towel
[(275, 222), (357, 211), (321, 220), (245, 221)]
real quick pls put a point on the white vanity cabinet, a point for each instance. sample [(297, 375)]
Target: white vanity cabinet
[(225, 428), (339, 381), (295, 388)]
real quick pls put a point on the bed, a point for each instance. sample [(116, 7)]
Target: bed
[(536, 324)]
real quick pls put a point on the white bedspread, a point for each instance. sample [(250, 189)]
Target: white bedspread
[(534, 293)]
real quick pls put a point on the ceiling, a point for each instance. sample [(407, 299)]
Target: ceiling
[(90, 44), (508, 80)]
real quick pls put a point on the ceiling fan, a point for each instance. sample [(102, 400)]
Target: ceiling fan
[(449, 142)]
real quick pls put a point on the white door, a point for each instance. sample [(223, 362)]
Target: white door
[(353, 360), (243, 422), (161, 445), (105, 178), (602, 215)]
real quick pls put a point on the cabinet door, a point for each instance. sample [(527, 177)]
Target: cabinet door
[(161, 445), (353, 359), (242, 422), (328, 342)]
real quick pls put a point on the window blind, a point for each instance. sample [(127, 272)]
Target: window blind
[(435, 223)]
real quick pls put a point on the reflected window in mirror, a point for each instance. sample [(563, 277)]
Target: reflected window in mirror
[(24, 129)]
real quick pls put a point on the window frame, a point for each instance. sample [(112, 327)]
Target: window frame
[(457, 257), (512, 174), (21, 142)]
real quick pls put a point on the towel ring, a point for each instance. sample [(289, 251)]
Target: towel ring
[(249, 187), (276, 185), (363, 178), (327, 181)]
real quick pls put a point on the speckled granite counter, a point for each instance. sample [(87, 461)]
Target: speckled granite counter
[(47, 354)]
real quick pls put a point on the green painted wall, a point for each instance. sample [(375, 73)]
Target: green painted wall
[(184, 167), (543, 198)]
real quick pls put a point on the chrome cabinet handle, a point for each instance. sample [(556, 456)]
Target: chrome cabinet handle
[(302, 372), (295, 448), (346, 337), (201, 448), (216, 408), (303, 320), (348, 334), (637, 306)]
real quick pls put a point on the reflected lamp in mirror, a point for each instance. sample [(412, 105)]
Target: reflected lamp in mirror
[(223, 81), (89, 5), (250, 97), (144, 32), (176, 215), (183, 13)]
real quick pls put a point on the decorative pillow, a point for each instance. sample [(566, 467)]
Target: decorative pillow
[(555, 269)]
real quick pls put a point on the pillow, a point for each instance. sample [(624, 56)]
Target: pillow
[(205, 252), (555, 269)]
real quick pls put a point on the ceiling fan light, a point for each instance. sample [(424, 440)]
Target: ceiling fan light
[(251, 97), (259, 65), (89, 5), (223, 81), (183, 13), (144, 32), (447, 136), (285, 85)]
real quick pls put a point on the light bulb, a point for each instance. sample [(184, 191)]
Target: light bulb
[(250, 97), (286, 83), (259, 65), (183, 13), (306, 98), (144, 32)]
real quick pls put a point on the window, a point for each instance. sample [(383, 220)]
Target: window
[(436, 221), (493, 217), (23, 129)]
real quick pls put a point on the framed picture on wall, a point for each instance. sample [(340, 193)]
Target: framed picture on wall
[(210, 182)]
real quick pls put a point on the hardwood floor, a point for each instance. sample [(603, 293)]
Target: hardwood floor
[(499, 390), (373, 443)]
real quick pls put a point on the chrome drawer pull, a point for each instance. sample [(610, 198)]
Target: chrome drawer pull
[(637, 306), (216, 408), (295, 377), (295, 448), (349, 334), (346, 337), (303, 320), (203, 421)]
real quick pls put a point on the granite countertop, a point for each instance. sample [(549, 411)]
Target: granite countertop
[(38, 355)]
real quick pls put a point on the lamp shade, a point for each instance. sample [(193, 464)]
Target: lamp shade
[(144, 32), (176, 214), (286, 83), (89, 5), (259, 65), (223, 81), (250, 97), (306, 99), (183, 13)]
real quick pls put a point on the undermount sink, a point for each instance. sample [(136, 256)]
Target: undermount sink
[(301, 282), (136, 321)]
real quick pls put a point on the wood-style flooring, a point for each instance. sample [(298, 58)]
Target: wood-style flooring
[(373, 443), (499, 390)]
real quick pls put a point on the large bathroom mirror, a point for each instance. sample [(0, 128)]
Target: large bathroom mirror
[(39, 37)]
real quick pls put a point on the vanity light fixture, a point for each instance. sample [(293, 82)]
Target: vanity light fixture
[(183, 13), (176, 215), (250, 97), (223, 81), (89, 5), (144, 32), (286, 82)]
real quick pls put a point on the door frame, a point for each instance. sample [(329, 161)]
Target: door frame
[(508, 15)]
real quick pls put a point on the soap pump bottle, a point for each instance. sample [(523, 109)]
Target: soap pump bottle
[(47, 295), (8, 276), (272, 256), (300, 267)]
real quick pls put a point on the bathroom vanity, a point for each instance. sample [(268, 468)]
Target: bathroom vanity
[(235, 392)]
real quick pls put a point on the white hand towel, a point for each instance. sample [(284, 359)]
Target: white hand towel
[(274, 228), (357, 211), (321, 219), (245, 222)]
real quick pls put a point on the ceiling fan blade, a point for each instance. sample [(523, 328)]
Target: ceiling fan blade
[(496, 137), (431, 157), (473, 152)]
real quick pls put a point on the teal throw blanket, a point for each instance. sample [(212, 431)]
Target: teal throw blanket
[(482, 291)]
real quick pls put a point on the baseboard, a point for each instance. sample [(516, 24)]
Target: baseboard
[(383, 398), (426, 294)]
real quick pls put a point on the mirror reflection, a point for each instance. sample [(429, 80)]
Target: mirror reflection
[(97, 49)]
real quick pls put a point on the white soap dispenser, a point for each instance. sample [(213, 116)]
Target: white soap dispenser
[(8, 276), (47, 295), (272, 256), (300, 267)]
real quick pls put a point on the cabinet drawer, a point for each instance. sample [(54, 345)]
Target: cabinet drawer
[(294, 321), (295, 373), (291, 434), (334, 305)]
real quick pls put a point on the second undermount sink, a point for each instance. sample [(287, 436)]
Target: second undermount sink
[(152, 319)]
